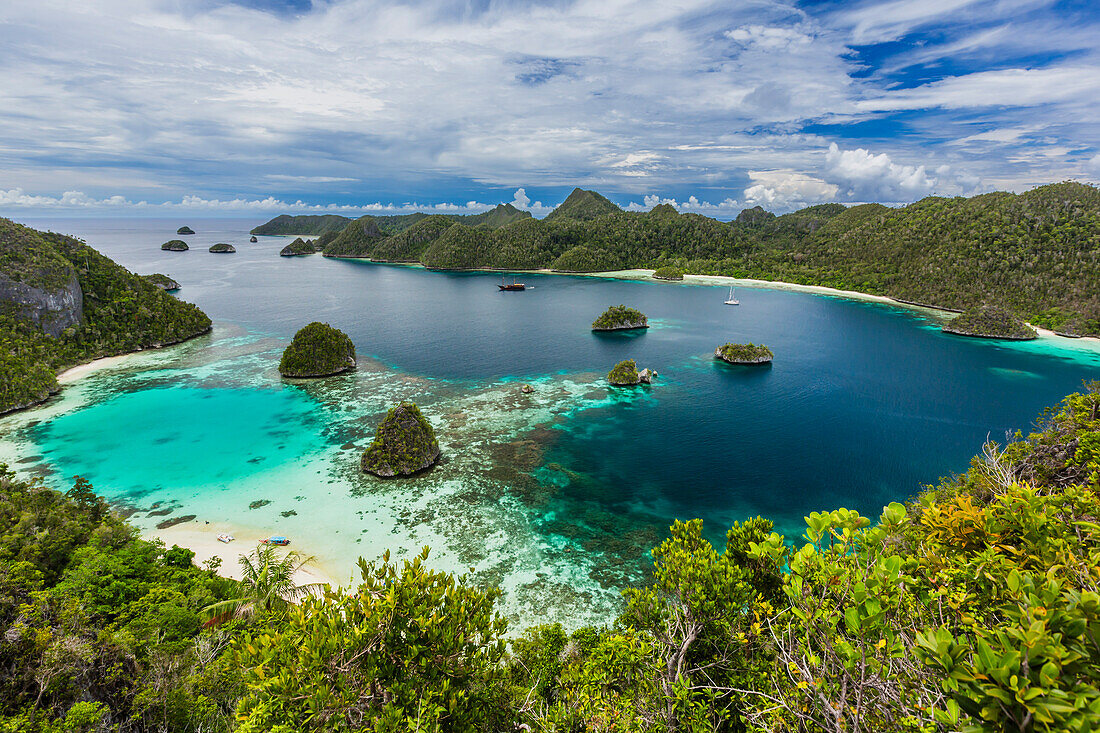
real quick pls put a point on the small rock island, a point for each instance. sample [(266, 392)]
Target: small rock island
[(185, 230), (174, 245), (253, 239), (298, 247), (620, 318), (221, 247), (990, 323), (668, 273), (163, 282), (626, 374), (748, 354), (318, 350), (404, 444)]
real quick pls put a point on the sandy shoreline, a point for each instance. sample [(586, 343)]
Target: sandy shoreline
[(202, 539), (73, 374)]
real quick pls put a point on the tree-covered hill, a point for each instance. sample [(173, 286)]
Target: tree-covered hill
[(62, 303), (313, 225), (1035, 254)]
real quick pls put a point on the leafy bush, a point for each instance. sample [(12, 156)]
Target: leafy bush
[(668, 273), (404, 443)]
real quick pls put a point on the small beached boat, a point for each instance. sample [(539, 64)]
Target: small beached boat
[(226, 538), (275, 541), (732, 300)]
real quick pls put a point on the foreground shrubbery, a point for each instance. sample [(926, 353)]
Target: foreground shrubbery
[(973, 607)]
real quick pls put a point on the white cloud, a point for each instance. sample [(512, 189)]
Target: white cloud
[(1093, 165), (768, 37), (520, 200), (871, 177), (784, 190)]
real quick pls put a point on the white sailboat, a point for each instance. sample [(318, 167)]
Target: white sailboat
[(732, 300)]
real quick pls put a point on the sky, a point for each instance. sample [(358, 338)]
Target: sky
[(144, 107)]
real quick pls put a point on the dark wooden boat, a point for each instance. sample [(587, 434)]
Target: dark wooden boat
[(514, 286)]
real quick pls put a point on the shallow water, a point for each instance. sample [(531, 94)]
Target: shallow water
[(556, 496)]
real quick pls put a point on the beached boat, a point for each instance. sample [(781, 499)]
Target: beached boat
[(226, 538), (275, 541), (732, 300)]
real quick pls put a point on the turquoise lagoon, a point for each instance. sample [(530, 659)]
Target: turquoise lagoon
[(556, 496)]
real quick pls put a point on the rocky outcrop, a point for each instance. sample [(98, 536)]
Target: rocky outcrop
[(404, 444), (620, 318), (626, 374), (253, 239), (163, 282), (185, 230), (318, 350), (990, 323), (527, 389), (746, 354), (174, 245), (222, 247), (297, 248), (52, 309)]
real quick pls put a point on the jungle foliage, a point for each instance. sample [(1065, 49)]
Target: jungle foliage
[(317, 350), (975, 606)]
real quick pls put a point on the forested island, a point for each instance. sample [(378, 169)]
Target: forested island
[(317, 350), (62, 303), (973, 606), (1035, 254)]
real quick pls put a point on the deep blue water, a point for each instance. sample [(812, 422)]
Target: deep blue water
[(863, 404)]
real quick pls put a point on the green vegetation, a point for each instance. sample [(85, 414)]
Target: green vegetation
[(267, 586), (221, 247), (356, 239), (317, 350), (624, 374), (668, 273), (990, 323), (744, 353), (174, 245), (162, 281), (972, 607), (583, 205), (113, 312), (619, 317), (185, 230), (298, 247), (303, 224), (403, 444), (409, 245), (101, 630), (1035, 254)]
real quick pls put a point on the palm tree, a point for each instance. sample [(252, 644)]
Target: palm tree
[(267, 584)]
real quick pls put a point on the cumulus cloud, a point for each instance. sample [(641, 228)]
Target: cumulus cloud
[(786, 190), (1093, 165), (869, 177)]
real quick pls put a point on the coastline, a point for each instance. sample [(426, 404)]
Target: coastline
[(1083, 343), (202, 539), (78, 372)]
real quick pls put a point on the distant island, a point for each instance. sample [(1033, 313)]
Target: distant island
[(185, 230), (174, 245), (298, 248), (748, 354), (626, 374), (620, 318), (994, 323), (163, 282), (62, 303), (223, 248), (318, 350), (953, 253)]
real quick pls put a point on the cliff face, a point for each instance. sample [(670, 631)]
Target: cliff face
[(52, 309)]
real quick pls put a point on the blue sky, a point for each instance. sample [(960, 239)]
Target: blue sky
[(264, 106)]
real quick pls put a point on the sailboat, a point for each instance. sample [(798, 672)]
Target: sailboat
[(514, 286), (732, 300)]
